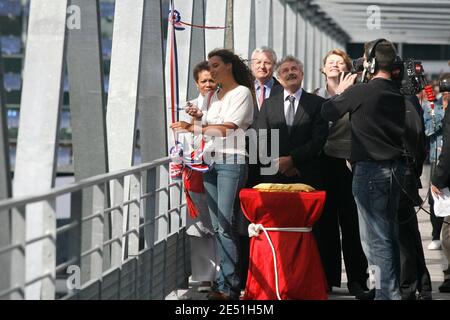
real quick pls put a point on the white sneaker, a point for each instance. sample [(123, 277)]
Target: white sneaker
[(434, 245)]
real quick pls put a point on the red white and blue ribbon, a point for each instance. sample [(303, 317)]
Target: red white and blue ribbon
[(195, 159), (173, 63), (178, 24)]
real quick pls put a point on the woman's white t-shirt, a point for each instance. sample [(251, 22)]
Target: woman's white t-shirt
[(235, 107)]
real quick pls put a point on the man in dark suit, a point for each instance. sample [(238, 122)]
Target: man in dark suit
[(441, 177), (299, 143), (414, 275), (441, 180), (302, 131), (263, 63)]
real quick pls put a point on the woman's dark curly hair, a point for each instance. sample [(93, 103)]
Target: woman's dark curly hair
[(241, 71)]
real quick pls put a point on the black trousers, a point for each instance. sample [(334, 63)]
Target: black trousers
[(436, 222), (340, 210), (414, 275)]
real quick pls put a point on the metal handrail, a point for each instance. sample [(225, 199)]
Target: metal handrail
[(18, 207), (79, 185)]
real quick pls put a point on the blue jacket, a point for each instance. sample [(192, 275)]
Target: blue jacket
[(433, 127)]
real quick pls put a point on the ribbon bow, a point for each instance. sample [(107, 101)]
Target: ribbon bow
[(175, 19)]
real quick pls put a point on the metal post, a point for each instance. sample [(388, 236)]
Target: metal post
[(301, 38), (39, 121), (279, 27), (101, 257), (242, 10), (151, 102), (291, 28), (252, 44), (123, 95), (215, 16), (317, 57), (197, 46), (87, 105), (263, 17), (49, 250), (150, 208), (5, 187), (152, 112), (124, 83), (229, 36), (117, 218), (309, 67), (18, 255), (74, 246), (5, 175), (132, 240)]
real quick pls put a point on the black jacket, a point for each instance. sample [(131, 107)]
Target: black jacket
[(441, 176), (276, 89), (377, 119), (305, 141), (414, 141)]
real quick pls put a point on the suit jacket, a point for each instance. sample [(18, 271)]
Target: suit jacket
[(414, 141), (441, 176), (254, 168), (305, 141), (276, 89)]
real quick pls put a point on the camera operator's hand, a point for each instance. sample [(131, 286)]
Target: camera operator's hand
[(347, 80)]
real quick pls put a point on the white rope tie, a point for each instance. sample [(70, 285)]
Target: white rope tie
[(255, 229)]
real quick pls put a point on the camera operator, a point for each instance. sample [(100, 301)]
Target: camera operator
[(414, 275), (377, 117)]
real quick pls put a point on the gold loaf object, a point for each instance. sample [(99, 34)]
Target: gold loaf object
[(280, 187)]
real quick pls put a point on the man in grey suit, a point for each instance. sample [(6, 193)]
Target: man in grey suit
[(295, 113)]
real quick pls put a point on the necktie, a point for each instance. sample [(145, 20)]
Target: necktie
[(291, 113), (262, 94)]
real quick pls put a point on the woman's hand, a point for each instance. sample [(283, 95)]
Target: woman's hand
[(193, 110), (182, 126)]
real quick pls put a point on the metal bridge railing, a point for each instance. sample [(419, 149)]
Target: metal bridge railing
[(125, 239)]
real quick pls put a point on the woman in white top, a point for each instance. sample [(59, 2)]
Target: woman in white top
[(224, 123)]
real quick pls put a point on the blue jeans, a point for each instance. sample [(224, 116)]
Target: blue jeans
[(376, 188), (222, 184)]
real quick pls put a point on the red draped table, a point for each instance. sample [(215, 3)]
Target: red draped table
[(300, 273)]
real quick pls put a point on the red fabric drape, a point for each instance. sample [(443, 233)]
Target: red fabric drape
[(193, 181), (300, 272)]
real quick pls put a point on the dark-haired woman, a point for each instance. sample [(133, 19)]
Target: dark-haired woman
[(229, 114)]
